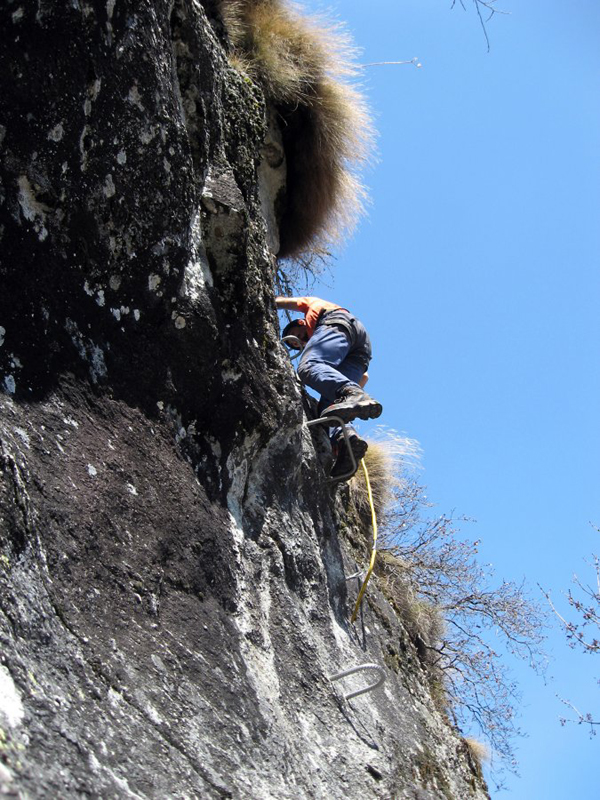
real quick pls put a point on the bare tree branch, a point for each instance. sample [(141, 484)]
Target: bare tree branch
[(298, 276), (427, 557), (583, 631), (481, 7)]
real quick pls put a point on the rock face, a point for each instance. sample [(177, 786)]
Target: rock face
[(173, 593)]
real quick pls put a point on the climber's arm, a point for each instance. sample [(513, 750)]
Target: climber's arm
[(291, 303)]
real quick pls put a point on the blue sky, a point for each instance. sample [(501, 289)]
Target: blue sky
[(476, 273)]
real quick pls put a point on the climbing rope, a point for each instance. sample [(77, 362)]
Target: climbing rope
[(363, 588)]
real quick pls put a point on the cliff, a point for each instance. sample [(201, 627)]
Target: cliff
[(173, 564)]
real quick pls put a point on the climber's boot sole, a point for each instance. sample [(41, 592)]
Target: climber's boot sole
[(347, 410)]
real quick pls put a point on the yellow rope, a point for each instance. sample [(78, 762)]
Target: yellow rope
[(363, 588)]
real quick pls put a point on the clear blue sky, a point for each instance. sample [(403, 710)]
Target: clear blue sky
[(477, 275)]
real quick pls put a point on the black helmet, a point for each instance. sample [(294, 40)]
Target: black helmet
[(295, 323)]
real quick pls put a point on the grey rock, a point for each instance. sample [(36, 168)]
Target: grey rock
[(173, 594)]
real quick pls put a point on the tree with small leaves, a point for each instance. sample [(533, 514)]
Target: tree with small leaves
[(582, 631), (431, 572)]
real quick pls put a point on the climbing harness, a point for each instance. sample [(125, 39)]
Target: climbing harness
[(360, 668), (363, 588)]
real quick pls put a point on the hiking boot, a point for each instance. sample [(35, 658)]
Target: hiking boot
[(343, 464), (353, 402)]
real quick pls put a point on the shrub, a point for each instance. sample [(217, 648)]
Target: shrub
[(484, 621), (582, 629), (462, 622)]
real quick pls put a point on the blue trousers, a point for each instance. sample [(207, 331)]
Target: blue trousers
[(338, 353)]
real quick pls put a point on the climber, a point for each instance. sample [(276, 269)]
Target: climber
[(336, 351)]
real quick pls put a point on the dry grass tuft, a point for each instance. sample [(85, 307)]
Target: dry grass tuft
[(303, 65), (479, 751), (423, 621), (388, 459)]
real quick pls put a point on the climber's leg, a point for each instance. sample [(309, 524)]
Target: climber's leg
[(343, 462), (333, 366), (321, 358), (353, 368)]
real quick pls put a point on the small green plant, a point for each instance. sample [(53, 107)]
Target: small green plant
[(430, 774)]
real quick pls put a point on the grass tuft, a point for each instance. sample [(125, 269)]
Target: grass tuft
[(388, 460), (305, 66), (423, 621), (480, 752)]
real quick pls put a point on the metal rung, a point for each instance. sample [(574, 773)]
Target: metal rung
[(360, 668), (295, 343), (360, 575), (332, 422)]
